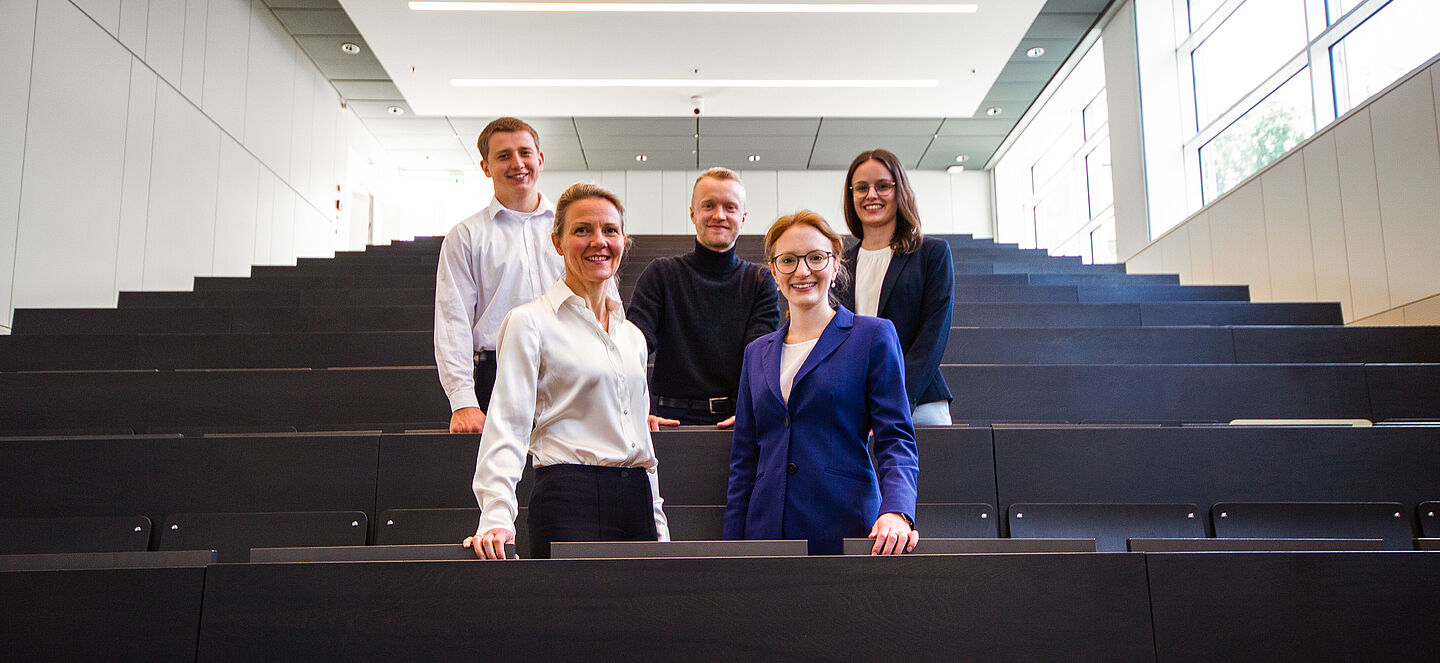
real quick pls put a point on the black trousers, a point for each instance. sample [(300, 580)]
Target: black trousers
[(485, 381), (688, 417), (589, 503)]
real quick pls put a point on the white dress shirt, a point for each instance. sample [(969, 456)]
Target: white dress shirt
[(489, 263), (567, 392), (870, 269)]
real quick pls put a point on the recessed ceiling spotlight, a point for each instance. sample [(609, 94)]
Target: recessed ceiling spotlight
[(960, 158), (954, 170), (350, 48), (642, 158), (1035, 52), (753, 157), (395, 110), (992, 111)]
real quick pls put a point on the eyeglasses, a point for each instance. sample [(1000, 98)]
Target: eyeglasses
[(882, 188), (815, 260)]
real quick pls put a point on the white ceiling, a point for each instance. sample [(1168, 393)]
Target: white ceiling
[(606, 128), (424, 51)]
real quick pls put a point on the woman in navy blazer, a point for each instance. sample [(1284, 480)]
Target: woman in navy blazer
[(810, 394), (900, 275)]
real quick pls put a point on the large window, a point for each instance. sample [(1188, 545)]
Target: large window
[(1053, 187), (1260, 76)]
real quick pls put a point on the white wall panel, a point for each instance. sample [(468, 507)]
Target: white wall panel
[(1360, 205), (932, 199), (644, 209), (180, 240), (761, 200), (104, 12), (1407, 169), (1287, 227), (675, 201), (165, 39), (264, 217), (1423, 312), (1202, 255), (1150, 260), (235, 209), (816, 190), (75, 137), (269, 90), (972, 206), (1327, 223), (324, 129), (17, 42), (1391, 318), (227, 43), (135, 195), (302, 119), (1175, 254), (134, 23), (282, 234), (313, 232), (192, 64), (1237, 235)]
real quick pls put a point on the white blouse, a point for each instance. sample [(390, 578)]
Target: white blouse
[(792, 357), (870, 269), (565, 392)]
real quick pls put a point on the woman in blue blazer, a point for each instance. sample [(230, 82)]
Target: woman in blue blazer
[(900, 275), (810, 394)]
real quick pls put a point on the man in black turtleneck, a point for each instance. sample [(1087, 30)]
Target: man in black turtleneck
[(698, 311)]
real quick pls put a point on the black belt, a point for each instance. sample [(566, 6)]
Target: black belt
[(721, 405), (482, 356)]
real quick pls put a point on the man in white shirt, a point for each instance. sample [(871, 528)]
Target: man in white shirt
[(498, 259)]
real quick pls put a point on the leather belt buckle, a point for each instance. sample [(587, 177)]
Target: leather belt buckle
[(720, 401)]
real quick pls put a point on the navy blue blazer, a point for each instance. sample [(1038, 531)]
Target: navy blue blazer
[(801, 470), (917, 296)]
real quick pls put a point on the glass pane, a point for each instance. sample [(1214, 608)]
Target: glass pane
[(1263, 133), (1201, 10), (1058, 215), (1102, 243), (1096, 115), (1097, 176), (1339, 8), (1249, 47), (1390, 43)]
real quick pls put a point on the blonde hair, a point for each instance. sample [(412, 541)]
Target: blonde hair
[(503, 125)]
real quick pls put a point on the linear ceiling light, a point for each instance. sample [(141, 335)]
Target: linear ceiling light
[(705, 7), (692, 82)]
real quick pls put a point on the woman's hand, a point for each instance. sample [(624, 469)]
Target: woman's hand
[(654, 422), (491, 544), (893, 535), (727, 423)]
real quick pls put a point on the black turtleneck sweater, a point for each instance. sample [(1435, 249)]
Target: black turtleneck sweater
[(698, 311)]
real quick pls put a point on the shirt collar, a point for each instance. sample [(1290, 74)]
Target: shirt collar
[(496, 209), (559, 294)]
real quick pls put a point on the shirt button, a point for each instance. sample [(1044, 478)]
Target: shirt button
[(790, 468), (622, 378), (787, 422), (627, 411)]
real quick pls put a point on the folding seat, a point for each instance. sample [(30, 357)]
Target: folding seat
[(102, 534), (1314, 520), (1110, 524), (232, 535)]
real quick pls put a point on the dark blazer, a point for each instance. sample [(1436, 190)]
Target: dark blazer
[(916, 295), (801, 470)]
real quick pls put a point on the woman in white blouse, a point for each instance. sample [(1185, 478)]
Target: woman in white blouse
[(570, 390)]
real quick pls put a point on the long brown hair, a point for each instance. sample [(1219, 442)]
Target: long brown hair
[(907, 237)]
